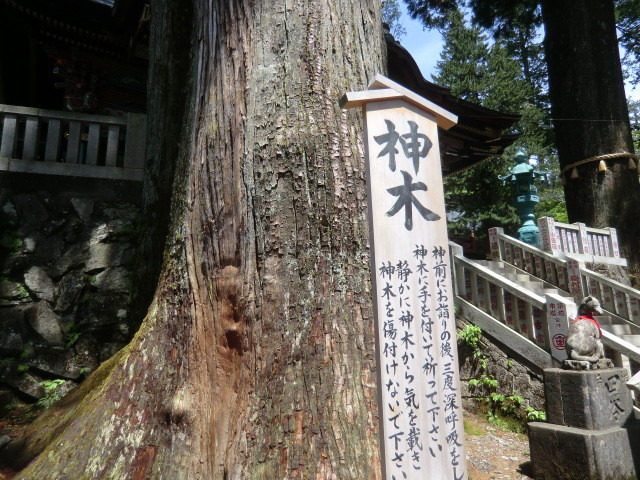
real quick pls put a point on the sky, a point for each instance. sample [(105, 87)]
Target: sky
[(425, 47)]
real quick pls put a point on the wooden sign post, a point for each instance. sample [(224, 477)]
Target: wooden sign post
[(422, 435)]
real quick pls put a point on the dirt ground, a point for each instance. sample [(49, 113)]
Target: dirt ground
[(492, 454)]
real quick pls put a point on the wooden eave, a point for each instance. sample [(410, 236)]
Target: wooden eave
[(82, 24), (477, 136)]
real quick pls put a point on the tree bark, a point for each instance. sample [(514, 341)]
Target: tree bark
[(590, 115), (256, 358)]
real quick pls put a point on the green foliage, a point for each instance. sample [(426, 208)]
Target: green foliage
[(391, 16), (509, 76), (534, 415), (628, 25), (11, 240), (22, 292), (471, 336), (552, 208), (504, 411), (492, 77), (70, 339), (23, 367), (71, 335), (634, 118), (50, 397)]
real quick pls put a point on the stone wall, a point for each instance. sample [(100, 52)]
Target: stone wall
[(66, 251), (514, 374)]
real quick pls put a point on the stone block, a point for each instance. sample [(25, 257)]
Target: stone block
[(9, 214), (112, 279), (49, 249), (69, 289), (592, 399), (37, 280), (28, 385), (46, 323), (57, 362), (9, 289), (83, 207), (105, 255), (100, 310), (566, 453), (12, 331), (30, 209), (74, 256)]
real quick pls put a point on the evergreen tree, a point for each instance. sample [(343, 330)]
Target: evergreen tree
[(490, 76), (628, 24), (391, 16), (587, 100), (256, 359)]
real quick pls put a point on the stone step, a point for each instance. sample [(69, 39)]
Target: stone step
[(612, 323), (617, 329), (561, 293), (526, 280), (632, 339)]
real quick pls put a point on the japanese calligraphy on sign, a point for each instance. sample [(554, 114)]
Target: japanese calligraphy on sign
[(419, 392), (559, 314)]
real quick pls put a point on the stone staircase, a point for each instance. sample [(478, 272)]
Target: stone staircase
[(613, 324), (523, 278), (526, 298)]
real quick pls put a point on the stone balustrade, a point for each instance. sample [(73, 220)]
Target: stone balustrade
[(67, 143), (544, 265), (598, 245), (567, 274), (537, 313), (542, 318)]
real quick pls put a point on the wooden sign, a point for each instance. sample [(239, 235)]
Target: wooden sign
[(422, 434)]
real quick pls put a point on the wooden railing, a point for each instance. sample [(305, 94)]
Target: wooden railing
[(66, 143), (580, 242)]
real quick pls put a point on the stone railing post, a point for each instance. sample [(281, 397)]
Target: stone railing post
[(574, 281), (560, 311), (458, 270), (494, 242), (548, 235), (613, 242), (583, 240)]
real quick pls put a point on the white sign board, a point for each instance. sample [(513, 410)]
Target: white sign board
[(419, 393)]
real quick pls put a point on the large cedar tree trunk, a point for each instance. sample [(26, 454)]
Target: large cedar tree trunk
[(590, 115), (256, 357)]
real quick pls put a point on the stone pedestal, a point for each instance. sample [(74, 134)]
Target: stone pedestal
[(591, 429)]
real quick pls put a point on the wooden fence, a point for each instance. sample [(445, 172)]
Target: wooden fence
[(67, 143)]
